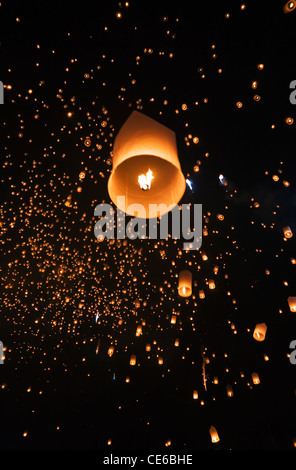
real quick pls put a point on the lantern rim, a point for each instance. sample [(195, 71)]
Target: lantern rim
[(167, 187)]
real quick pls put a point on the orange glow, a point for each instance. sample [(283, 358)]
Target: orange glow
[(260, 332), (289, 120), (288, 232), (133, 360), (255, 378), (214, 434), (185, 283), (212, 284), (292, 303), (290, 6), (143, 143), (201, 294)]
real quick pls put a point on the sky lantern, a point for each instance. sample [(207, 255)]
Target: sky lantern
[(292, 303), (173, 319), (146, 169), (229, 390), (260, 332), (133, 360), (288, 232), (289, 6), (185, 283), (139, 330), (111, 351), (255, 378), (201, 294), (214, 435), (212, 284)]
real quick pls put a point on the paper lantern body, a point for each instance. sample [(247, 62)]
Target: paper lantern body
[(260, 332), (229, 390), (185, 283), (289, 6), (201, 294), (292, 303), (133, 360), (288, 232), (111, 351), (255, 378), (143, 144), (214, 434), (212, 284)]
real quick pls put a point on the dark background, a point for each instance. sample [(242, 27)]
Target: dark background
[(89, 399)]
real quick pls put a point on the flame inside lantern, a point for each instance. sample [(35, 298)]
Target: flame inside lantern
[(145, 180)]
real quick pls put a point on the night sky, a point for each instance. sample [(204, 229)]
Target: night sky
[(72, 75)]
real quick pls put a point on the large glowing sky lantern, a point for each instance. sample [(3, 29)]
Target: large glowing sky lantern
[(146, 169)]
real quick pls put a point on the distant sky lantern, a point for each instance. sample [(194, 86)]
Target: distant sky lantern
[(146, 169), (201, 294), (133, 360), (255, 378), (195, 394), (173, 319), (289, 6), (139, 330), (212, 284), (292, 303), (111, 351), (288, 232), (260, 332), (185, 283), (214, 435), (229, 390)]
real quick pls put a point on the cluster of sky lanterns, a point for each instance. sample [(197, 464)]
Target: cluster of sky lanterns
[(149, 170)]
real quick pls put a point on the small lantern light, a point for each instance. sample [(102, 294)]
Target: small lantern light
[(260, 332)]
